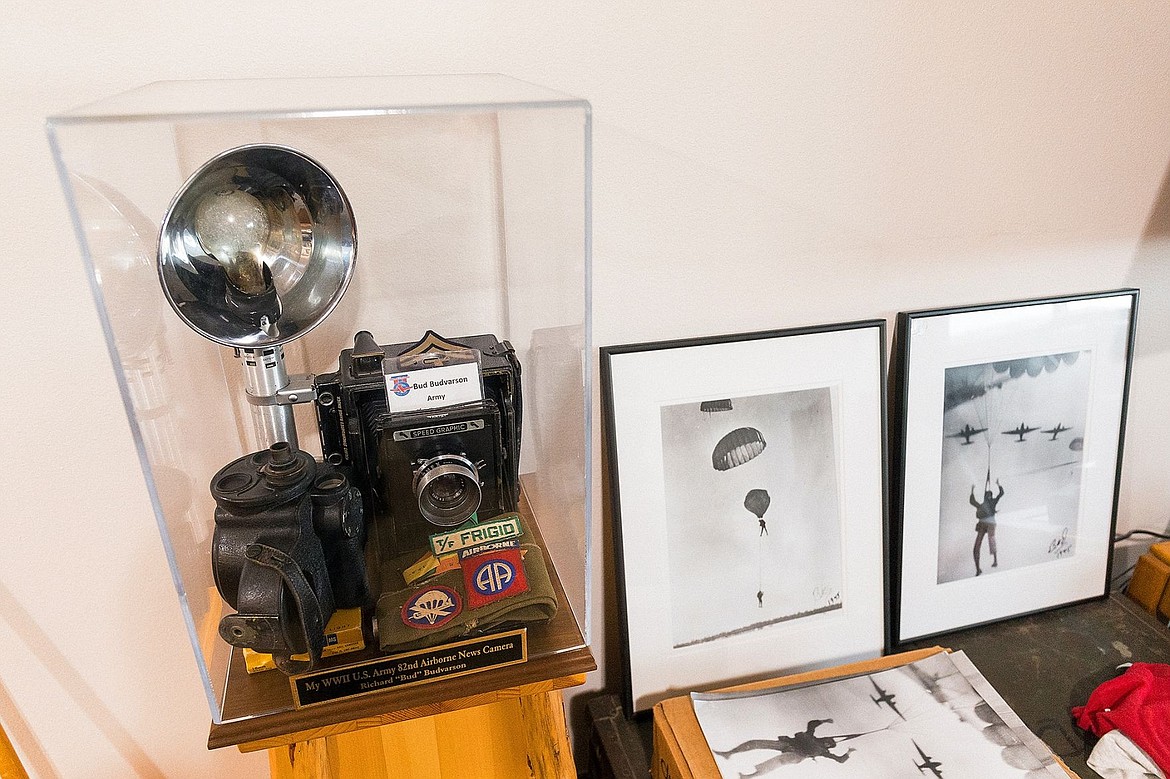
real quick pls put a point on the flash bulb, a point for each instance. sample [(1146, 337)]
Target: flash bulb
[(232, 226)]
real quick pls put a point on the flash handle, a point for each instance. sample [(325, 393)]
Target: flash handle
[(265, 377)]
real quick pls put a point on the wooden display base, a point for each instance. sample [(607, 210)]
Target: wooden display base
[(557, 658), (514, 737)]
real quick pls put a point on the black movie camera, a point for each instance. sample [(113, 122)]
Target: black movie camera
[(287, 550)]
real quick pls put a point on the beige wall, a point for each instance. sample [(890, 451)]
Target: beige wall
[(757, 165)]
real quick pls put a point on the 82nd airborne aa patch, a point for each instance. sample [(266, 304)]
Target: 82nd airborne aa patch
[(493, 576), (431, 607)]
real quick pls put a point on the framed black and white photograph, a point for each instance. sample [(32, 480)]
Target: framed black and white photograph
[(746, 474), (1011, 422)]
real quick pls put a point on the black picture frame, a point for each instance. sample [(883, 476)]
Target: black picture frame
[(819, 392), (961, 374)]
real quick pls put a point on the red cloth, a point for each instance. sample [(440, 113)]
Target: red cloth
[(1138, 704)]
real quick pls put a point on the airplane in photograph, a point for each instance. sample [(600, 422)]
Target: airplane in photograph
[(1021, 431), (966, 433), (886, 698), (1056, 431), (928, 763)]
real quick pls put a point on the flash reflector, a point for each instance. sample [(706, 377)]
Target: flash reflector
[(257, 247)]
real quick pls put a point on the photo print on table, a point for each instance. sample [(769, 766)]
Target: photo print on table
[(937, 717)]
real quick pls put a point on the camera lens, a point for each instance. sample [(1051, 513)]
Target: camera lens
[(447, 489)]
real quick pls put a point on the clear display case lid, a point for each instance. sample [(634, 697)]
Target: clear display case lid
[(318, 97)]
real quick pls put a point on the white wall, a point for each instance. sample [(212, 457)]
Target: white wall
[(757, 164)]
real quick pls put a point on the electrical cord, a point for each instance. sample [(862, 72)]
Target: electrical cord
[(1119, 577), (1127, 572), (1124, 536)]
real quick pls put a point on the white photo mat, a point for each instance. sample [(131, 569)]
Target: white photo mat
[(1098, 328), (844, 361)]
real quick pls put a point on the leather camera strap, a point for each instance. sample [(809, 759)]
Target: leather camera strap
[(305, 602)]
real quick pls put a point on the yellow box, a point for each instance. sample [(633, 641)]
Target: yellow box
[(343, 634), (1150, 577), (1163, 612), (1161, 551), (428, 565)]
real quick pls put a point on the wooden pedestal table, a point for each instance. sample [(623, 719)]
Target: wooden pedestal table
[(519, 732)]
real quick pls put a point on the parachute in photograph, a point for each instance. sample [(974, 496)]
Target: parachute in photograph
[(1034, 366), (994, 397), (736, 448), (996, 400), (757, 502), (741, 445)]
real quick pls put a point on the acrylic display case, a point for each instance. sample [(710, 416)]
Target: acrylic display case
[(470, 197)]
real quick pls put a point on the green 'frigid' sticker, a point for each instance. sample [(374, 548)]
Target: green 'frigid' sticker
[(498, 529)]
